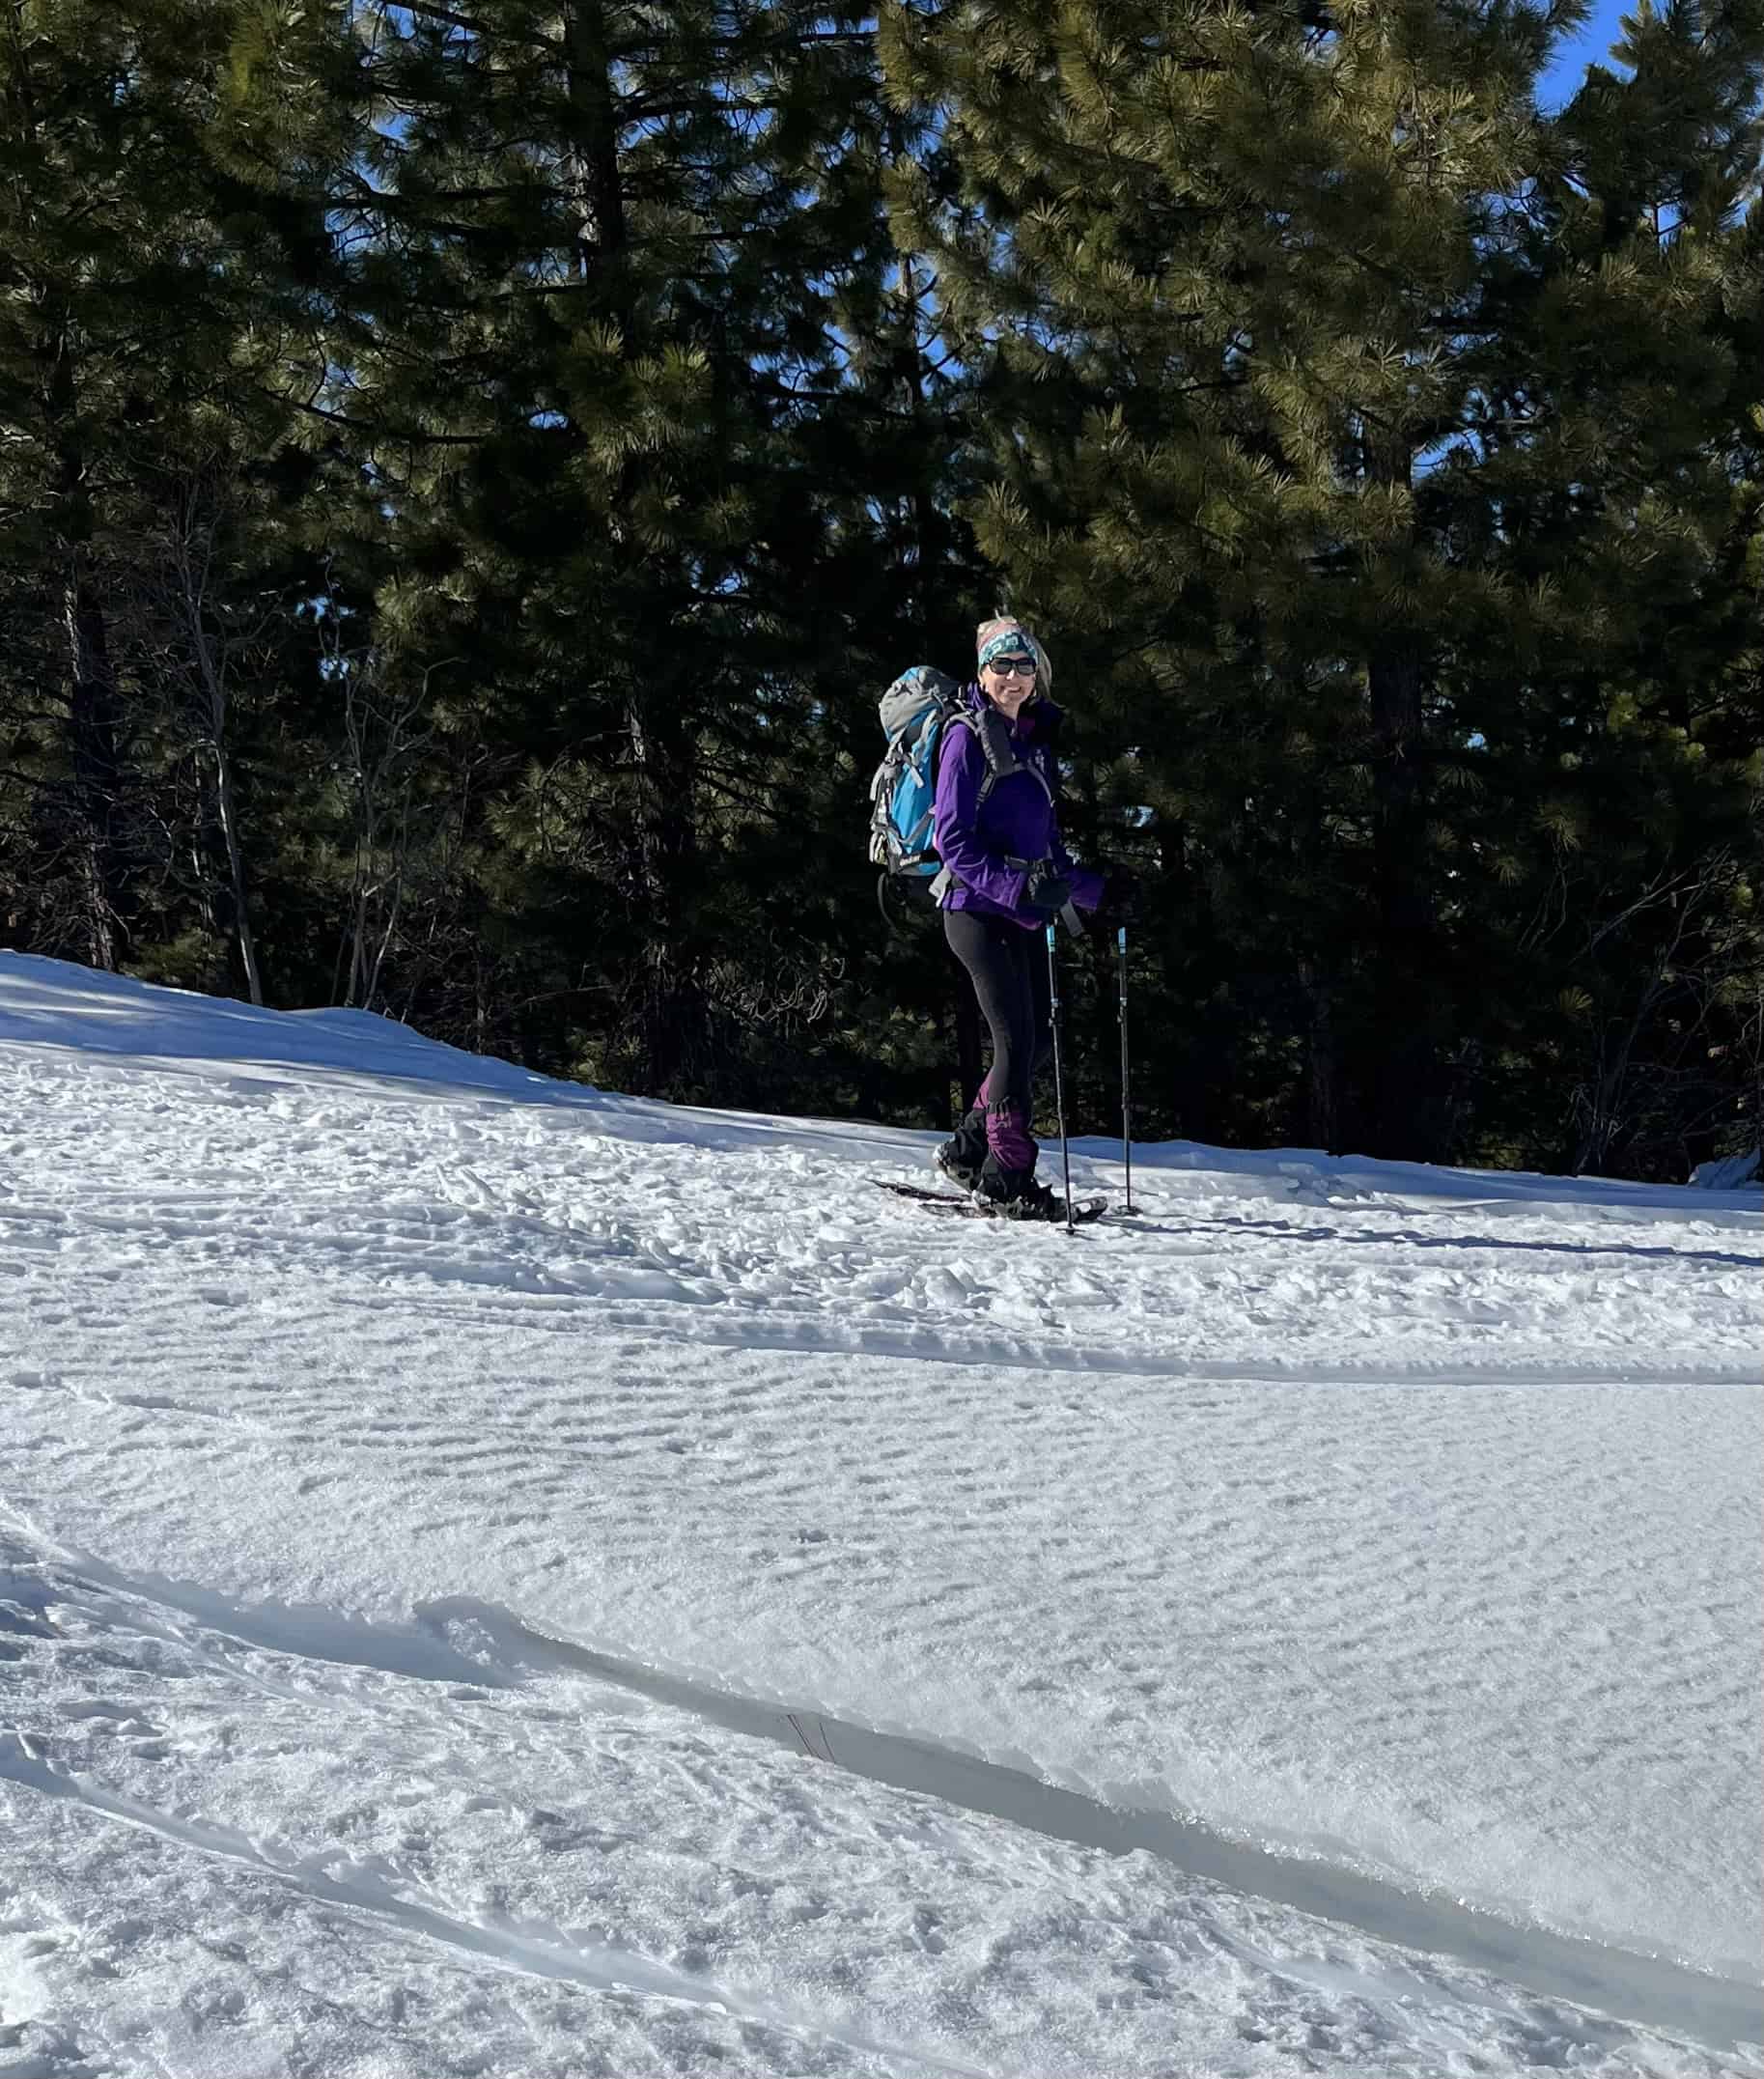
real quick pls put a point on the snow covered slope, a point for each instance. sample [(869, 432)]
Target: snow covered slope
[(496, 1577)]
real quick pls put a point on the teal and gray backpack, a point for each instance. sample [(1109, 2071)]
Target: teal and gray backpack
[(917, 711)]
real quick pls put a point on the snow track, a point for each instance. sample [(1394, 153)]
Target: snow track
[(468, 1702), (361, 1888), (1615, 1982), (495, 1651), (420, 1481)]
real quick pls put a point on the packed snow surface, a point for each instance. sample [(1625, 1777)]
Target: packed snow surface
[(500, 1578)]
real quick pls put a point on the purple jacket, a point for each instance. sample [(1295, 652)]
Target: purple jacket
[(1016, 820)]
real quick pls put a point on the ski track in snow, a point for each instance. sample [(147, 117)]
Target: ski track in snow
[(480, 1872), (1403, 1521)]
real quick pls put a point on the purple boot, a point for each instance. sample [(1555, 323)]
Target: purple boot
[(1007, 1176)]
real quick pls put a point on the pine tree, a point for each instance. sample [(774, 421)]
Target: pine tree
[(1622, 760), (78, 234), (587, 351), (1265, 299), (139, 329)]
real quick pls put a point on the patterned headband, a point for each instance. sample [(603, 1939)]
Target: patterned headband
[(1010, 641)]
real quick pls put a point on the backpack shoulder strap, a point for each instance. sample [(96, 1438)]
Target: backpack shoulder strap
[(1001, 759), (989, 731), (961, 719)]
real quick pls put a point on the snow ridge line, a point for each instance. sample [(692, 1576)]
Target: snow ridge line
[(1654, 1991), (462, 1638), (560, 1312), (147, 1210)]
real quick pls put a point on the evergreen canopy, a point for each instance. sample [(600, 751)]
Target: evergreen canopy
[(466, 471)]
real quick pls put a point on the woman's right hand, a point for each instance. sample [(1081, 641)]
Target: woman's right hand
[(1046, 891)]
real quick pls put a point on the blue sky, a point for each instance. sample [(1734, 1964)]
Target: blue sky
[(1592, 47)]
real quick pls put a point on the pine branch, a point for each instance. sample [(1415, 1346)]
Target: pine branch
[(638, 108), (475, 25), (408, 437), (393, 200)]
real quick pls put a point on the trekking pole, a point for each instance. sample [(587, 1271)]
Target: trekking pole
[(1126, 1109), (1059, 1090)]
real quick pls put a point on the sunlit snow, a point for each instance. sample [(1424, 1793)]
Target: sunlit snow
[(500, 1578)]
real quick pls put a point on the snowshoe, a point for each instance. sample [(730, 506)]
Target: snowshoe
[(1015, 1194), (963, 1156), (951, 1161), (976, 1207)]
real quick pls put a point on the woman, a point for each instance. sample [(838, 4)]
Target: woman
[(1006, 877)]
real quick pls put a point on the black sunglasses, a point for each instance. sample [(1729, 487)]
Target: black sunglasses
[(1008, 666)]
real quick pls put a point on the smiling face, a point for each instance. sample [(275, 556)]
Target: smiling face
[(1008, 682)]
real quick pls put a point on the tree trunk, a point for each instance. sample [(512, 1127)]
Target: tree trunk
[(1324, 1120), (92, 738), (1398, 1095), (931, 534), (243, 936), (594, 147), (212, 671), (1401, 1068), (670, 1009), (93, 714)]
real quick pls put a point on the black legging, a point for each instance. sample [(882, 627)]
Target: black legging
[(1009, 968)]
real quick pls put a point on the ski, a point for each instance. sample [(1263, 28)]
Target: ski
[(1083, 1210)]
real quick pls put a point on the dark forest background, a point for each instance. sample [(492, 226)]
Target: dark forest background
[(468, 471)]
